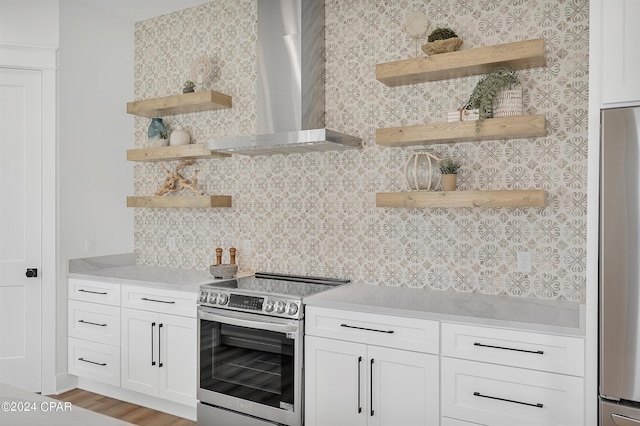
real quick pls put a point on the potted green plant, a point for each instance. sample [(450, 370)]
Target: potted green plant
[(487, 91), (442, 40), (449, 169), (188, 86)]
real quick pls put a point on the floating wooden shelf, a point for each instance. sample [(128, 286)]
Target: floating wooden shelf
[(168, 153), (180, 104), (482, 60), (195, 201), (506, 198), (524, 126)]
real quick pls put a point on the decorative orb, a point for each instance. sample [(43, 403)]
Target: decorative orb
[(422, 171)]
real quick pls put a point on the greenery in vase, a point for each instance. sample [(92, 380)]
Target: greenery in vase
[(487, 90), (449, 166), (441, 34), (189, 84)]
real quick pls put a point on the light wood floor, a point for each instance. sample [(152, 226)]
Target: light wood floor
[(124, 411)]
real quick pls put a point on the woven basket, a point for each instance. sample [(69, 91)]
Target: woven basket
[(224, 270), (442, 46), (508, 103)]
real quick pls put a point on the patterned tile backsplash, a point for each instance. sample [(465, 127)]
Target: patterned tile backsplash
[(315, 214)]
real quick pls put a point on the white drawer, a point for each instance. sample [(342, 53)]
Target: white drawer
[(382, 330), (159, 300), (91, 321), (537, 351), (94, 361), (94, 291), (505, 396)]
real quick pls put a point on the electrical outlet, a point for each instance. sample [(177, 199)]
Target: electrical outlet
[(171, 243), (523, 262), (246, 247), (90, 245)]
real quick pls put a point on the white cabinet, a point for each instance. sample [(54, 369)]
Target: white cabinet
[(493, 376), (620, 53), (94, 330), (353, 384), (159, 355), (134, 337)]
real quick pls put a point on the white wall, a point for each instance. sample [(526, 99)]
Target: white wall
[(29, 23), (95, 83)]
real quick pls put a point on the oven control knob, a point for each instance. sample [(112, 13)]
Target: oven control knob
[(212, 298), (222, 299), (292, 309), (280, 305), (268, 307), (203, 296)]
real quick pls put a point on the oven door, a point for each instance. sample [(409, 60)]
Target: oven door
[(251, 364)]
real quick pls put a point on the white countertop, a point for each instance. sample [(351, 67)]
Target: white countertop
[(540, 315), (547, 316), (122, 269), (21, 408)]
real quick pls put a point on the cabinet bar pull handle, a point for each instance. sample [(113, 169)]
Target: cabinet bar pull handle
[(359, 390), (102, 364), (158, 301), (153, 324), (92, 292), (160, 344), (538, 405), (508, 349), (371, 384), (92, 323), (367, 329)]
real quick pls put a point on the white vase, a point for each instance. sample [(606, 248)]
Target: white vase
[(179, 137)]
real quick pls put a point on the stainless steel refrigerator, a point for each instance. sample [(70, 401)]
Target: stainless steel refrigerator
[(619, 276)]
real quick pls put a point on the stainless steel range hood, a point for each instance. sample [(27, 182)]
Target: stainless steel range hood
[(290, 104)]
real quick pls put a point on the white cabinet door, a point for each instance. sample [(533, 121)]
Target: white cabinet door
[(620, 53), (403, 388), (177, 362), (139, 364), (335, 382)]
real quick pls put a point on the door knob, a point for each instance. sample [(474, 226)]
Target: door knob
[(32, 272)]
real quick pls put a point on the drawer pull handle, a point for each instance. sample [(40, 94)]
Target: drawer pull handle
[(102, 364), (158, 301), (367, 329), (92, 323), (508, 349), (624, 420), (538, 405), (93, 292)]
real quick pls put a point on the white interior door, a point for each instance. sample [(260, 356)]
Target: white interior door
[(20, 227)]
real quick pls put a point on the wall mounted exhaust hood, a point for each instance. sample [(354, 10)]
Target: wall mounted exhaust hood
[(291, 104)]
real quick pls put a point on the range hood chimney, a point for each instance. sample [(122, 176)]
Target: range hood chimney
[(291, 104)]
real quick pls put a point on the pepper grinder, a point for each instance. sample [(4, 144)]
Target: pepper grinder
[(218, 256), (232, 255)]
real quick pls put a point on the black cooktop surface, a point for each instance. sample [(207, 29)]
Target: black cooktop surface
[(293, 286)]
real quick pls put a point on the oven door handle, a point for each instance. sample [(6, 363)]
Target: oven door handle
[(269, 326)]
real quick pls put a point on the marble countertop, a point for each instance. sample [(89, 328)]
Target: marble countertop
[(30, 409), (122, 269), (547, 316)]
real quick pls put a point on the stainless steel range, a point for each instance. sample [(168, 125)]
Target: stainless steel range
[(250, 338)]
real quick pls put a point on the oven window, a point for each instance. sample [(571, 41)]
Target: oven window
[(250, 364)]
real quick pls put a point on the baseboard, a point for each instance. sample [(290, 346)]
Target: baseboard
[(159, 404)]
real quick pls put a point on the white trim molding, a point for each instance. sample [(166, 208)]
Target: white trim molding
[(44, 60)]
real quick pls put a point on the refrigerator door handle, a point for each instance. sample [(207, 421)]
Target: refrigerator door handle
[(624, 420)]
